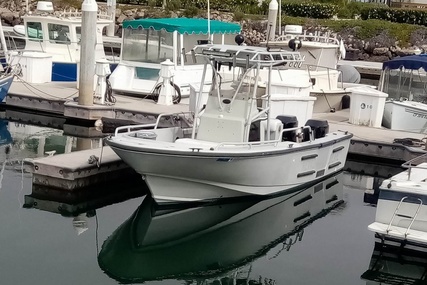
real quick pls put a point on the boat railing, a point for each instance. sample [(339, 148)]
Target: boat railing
[(315, 37), (274, 142), (400, 214), (310, 68), (72, 13), (415, 163), (150, 126), (246, 57)]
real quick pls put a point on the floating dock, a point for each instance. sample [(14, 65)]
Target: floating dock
[(75, 170), (80, 169), (367, 69)]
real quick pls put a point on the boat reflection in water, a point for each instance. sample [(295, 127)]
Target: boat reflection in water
[(392, 265), (204, 243)]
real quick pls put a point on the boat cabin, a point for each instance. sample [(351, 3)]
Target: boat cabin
[(149, 42), (405, 78), (57, 35)]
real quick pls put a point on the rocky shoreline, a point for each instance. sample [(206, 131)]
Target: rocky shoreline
[(378, 49)]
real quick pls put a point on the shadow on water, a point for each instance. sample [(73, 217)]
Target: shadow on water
[(391, 265), (87, 199), (369, 176), (204, 244)]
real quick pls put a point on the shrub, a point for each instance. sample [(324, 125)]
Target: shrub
[(310, 10), (190, 12)]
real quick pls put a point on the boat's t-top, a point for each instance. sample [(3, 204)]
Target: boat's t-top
[(248, 56)]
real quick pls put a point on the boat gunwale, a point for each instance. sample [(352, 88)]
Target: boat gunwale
[(249, 153)]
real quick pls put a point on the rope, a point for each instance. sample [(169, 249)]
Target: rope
[(109, 97), (175, 99)]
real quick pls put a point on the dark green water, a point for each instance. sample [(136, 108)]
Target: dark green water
[(106, 238)]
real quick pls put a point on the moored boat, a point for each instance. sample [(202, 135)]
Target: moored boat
[(235, 147), (52, 38), (321, 53), (401, 215), (404, 80), (149, 42)]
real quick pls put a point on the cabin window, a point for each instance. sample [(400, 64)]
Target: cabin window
[(34, 31), (59, 34), (79, 34), (147, 45)]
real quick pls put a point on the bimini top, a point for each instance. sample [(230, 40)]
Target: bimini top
[(184, 25), (407, 62)]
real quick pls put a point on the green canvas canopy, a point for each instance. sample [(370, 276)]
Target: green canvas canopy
[(184, 25)]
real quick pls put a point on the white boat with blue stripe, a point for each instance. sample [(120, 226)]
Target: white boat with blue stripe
[(401, 217)]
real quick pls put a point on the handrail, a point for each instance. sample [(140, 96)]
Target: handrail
[(273, 142), (327, 69), (155, 125), (414, 163), (314, 38)]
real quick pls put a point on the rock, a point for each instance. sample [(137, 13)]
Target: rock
[(140, 14), (121, 18), (379, 58), (380, 51)]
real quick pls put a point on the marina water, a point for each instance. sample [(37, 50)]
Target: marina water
[(114, 234)]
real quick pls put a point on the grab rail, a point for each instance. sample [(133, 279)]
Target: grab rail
[(270, 142), (129, 128), (414, 163)]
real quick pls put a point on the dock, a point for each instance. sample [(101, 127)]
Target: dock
[(60, 98), (367, 69), (76, 170)]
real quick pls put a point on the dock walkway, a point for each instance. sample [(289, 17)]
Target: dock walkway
[(60, 98), (78, 169)]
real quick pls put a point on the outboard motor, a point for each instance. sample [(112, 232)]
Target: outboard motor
[(288, 122), (319, 128)]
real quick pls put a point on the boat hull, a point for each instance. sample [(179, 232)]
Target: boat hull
[(179, 175), (401, 216), (5, 84), (406, 115)]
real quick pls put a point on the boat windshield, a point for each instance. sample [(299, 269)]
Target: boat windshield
[(406, 84), (59, 34), (34, 31), (147, 45)]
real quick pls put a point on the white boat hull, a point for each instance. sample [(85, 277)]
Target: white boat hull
[(177, 175), (406, 115), (403, 223)]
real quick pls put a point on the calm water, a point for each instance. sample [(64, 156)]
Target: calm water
[(48, 237)]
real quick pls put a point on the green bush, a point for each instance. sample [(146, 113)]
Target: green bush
[(173, 5), (407, 16), (238, 16), (191, 11), (310, 10), (360, 29)]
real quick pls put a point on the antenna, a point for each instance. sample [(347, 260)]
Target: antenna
[(209, 22)]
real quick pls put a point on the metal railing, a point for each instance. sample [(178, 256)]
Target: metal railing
[(270, 142), (415, 163), (127, 129)]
